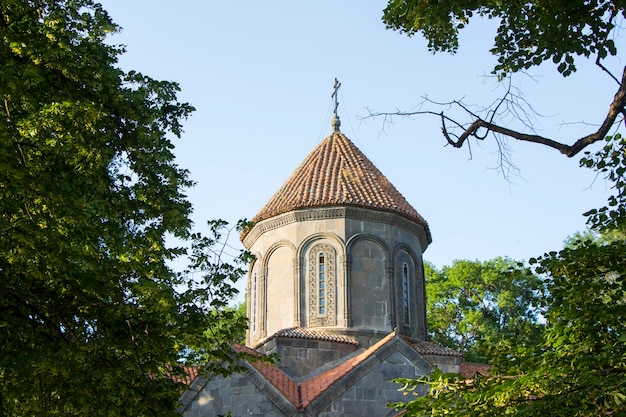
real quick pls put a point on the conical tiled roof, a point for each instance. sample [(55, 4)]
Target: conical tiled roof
[(337, 173)]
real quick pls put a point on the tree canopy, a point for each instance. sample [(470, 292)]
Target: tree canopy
[(579, 365), (529, 33), (484, 309), (93, 320)]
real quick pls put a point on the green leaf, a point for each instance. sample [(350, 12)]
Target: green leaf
[(94, 319)]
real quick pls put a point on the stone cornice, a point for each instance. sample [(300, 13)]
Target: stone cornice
[(328, 213)]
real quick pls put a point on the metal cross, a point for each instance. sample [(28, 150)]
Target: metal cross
[(334, 95)]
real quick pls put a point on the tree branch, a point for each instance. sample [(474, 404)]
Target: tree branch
[(617, 107)]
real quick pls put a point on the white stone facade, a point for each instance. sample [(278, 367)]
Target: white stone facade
[(365, 253)]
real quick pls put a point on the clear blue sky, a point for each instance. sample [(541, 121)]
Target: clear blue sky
[(261, 73)]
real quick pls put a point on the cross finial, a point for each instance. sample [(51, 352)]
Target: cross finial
[(335, 123), (334, 95)]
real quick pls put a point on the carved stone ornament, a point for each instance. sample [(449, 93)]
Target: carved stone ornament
[(329, 318)]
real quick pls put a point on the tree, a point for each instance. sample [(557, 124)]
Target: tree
[(580, 367), (93, 320), (228, 325), (529, 33), (485, 310)]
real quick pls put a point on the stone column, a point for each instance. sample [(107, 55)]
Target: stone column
[(262, 313), (297, 315), (391, 282), (346, 264)]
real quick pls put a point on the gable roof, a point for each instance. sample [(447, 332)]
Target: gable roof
[(315, 386), (337, 173), (472, 369), (303, 394), (317, 392)]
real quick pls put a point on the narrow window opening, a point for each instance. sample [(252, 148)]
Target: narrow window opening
[(321, 286), (405, 292)]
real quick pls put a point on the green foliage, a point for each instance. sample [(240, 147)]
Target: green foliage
[(580, 366), (580, 369), (209, 282), (446, 395), (610, 161), (90, 321), (529, 32), (229, 324), (484, 309)]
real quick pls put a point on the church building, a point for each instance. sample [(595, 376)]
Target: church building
[(336, 291)]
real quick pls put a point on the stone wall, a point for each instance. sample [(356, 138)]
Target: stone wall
[(364, 249), (370, 395), (301, 358), (236, 394)]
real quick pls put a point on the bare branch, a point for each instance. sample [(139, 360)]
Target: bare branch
[(606, 70), (616, 108)]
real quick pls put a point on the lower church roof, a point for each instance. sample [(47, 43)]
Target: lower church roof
[(303, 394), (313, 394)]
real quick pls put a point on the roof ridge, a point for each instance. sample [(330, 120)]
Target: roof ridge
[(309, 393), (302, 394), (424, 347), (279, 380)]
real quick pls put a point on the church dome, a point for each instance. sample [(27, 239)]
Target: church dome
[(337, 173)]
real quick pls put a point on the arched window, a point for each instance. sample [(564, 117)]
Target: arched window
[(405, 292), (322, 286)]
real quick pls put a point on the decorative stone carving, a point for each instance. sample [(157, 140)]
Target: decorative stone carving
[(329, 317)]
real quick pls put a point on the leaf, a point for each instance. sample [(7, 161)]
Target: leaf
[(91, 194)]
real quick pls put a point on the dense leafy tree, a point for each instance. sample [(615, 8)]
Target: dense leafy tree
[(228, 325), (484, 309), (90, 321), (529, 34), (580, 368)]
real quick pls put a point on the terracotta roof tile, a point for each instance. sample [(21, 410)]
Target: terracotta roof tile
[(315, 386), (472, 369), (301, 395), (429, 348), (273, 375), (280, 380), (191, 372), (337, 173), (186, 377), (311, 334)]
